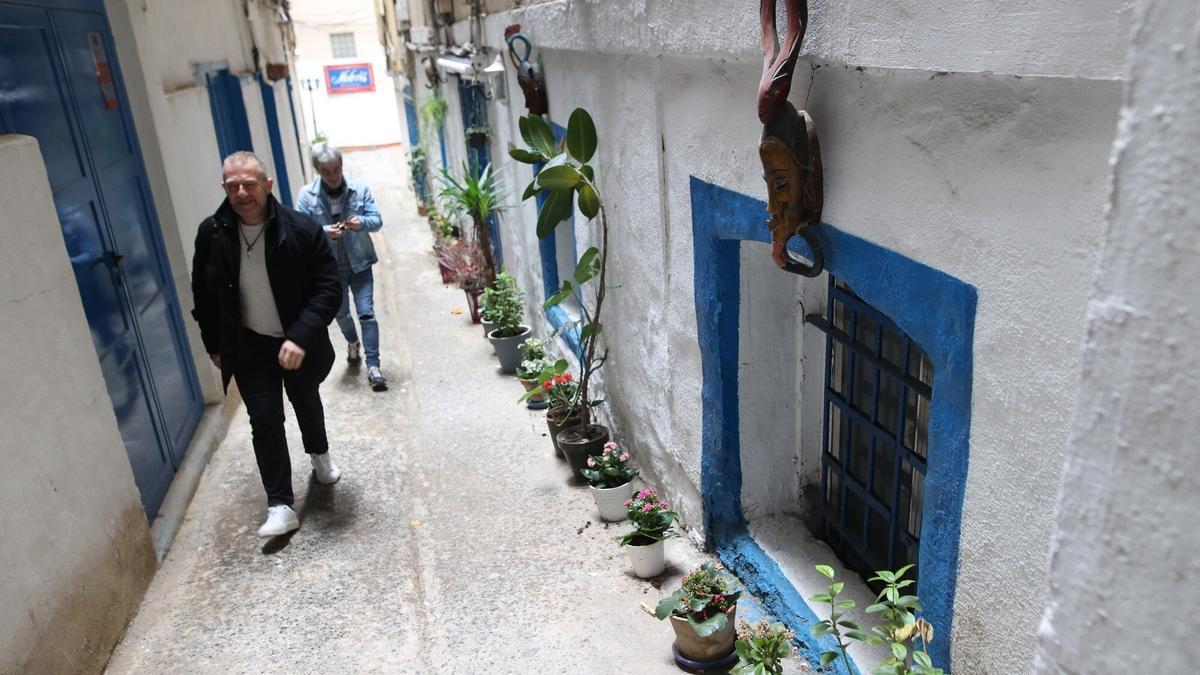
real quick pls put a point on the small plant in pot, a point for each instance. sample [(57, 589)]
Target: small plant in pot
[(506, 309), (562, 397), (702, 613), (652, 519), (610, 476), (533, 362), (761, 647), (568, 179)]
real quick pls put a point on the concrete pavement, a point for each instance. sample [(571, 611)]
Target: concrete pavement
[(452, 544)]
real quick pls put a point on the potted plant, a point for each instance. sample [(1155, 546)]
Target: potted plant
[(761, 647), (444, 234), (477, 136), (567, 179), (651, 519), (533, 362), (506, 309), (466, 263), (477, 197), (702, 613), (562, 395), (610, 476)]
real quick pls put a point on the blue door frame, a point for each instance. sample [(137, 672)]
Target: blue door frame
[(272, 113), (229, 112), (474, 114), (59, 56)]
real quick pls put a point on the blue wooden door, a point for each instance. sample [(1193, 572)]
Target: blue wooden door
[(272, 115), (60, 83)]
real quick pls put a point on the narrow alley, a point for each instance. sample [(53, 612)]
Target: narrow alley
[(454, 542)]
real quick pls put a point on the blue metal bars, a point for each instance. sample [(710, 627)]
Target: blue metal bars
[(877, 392)]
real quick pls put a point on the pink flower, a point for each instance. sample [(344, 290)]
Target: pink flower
[(662, 505), (648, 507), (610, 446), (628, 502), (624, 457), (591, 461)]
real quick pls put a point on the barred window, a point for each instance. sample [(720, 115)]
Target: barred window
[(878, 389)]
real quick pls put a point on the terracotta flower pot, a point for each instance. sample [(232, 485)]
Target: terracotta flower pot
[(538, 400), (706, 650)]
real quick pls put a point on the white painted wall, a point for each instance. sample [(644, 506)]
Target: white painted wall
[(159, 44), (1124, 579), (76, 554), (347, 119), (986, 173)]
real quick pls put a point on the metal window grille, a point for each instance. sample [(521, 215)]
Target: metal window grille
[(877, 392), (342, 45)]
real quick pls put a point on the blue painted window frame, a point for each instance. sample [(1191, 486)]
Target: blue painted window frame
[(271, 112), (933, 308), (551, 282)]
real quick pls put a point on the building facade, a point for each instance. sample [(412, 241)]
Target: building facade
[(114, 117), (913, 403)]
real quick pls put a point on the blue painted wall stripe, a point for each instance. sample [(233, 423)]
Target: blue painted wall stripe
[(935, 309)]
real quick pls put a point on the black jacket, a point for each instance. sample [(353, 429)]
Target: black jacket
[(300, 265)]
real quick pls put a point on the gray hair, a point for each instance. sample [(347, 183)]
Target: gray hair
[(325, 153), (242, 158)]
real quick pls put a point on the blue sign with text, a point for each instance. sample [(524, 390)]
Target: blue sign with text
[(349, 78)]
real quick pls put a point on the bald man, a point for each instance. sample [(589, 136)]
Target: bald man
[(265, 286)]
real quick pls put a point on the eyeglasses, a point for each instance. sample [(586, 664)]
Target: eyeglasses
[(233, 187)]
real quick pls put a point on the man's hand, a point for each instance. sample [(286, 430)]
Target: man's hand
[(335, 231), (290, 355), (216, 359), (352, 223)]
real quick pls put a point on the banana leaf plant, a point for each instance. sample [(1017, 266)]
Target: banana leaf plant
[(567, 179), (478, 197)]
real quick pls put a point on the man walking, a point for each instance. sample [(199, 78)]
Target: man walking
[(265, 288), (345, 208)]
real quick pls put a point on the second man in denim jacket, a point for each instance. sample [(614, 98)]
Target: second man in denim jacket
[(346, 209)]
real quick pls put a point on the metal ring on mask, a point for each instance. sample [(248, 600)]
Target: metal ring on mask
[(799, 266)]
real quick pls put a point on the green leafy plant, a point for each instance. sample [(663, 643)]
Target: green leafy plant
[(478, 197), (901, 629), (319, 137), (567, 179), (533, 360), (433, 109), (503, 306), (610, 469), (704, 599), (761, 647), (651, 519)]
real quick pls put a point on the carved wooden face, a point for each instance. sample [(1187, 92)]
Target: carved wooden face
[(781, 171)]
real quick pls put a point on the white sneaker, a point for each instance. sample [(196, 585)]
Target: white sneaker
[(354, 353), (324, 469), (281, 519)]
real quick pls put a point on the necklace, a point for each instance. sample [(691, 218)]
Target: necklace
[(250, 244)]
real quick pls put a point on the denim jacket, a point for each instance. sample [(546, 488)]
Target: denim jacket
[(359, 249)]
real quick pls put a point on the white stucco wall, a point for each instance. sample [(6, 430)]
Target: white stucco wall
[(76, 554), (355, 118), (994, 173), (158, 44), (1124, 579)]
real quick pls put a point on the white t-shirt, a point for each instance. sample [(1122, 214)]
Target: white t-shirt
[(259, 312)]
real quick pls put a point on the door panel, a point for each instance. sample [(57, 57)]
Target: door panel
[(60, 83)]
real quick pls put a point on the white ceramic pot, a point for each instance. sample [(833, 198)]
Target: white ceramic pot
[(648, 561), (610, 502)]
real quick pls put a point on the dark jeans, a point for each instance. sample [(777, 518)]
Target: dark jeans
[(261, 381)]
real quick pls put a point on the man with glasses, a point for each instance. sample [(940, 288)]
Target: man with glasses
[(347, 210), (265, 289)]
